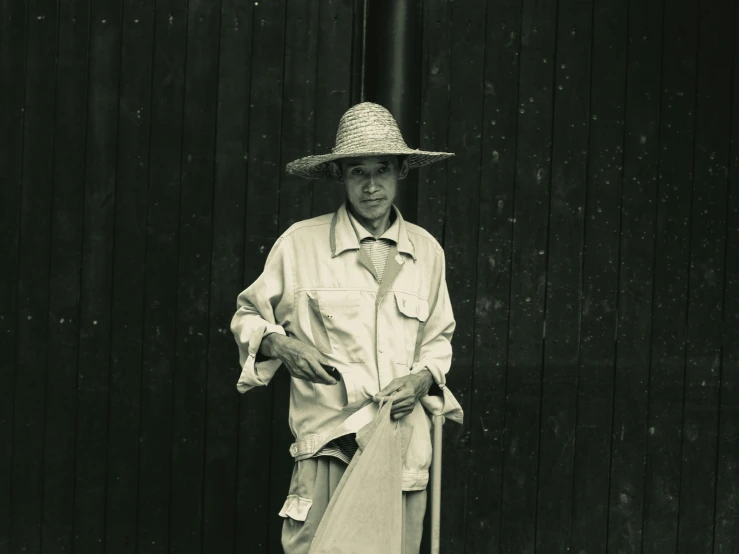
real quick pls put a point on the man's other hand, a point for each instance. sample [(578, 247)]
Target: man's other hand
[(303, 361), (406, 392)]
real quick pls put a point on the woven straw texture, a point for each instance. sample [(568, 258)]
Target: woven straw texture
[(366, 129)]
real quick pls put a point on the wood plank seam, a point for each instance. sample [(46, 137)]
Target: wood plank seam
[(144, 293), (218, 15), (689, 258), (179, 243)]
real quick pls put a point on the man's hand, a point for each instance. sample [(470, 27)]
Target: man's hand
[(406, 392), (303, 361)]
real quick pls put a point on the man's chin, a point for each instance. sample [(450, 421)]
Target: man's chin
[(374, 211)]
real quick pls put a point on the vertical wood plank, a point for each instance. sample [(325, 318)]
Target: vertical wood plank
[(193, 276), (727, 488), (13, 31), (636, 263), (255, 484), (564, 275), (528, 276), (600, 279), (33, 273), (221, 448), (12, 70), (96, 277), (162, 237), (460, 246), (435, 75), (706, 277), (666, 378), (64, 279), (129, 257), (333, 92), (487, 397), (299, 105)]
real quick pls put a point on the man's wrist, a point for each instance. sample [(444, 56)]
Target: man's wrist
[(273, 345), (427, 379)]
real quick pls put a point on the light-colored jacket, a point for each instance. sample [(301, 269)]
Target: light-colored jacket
[(319, 287)]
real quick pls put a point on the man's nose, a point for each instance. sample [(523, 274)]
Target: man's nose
[(371, 184)]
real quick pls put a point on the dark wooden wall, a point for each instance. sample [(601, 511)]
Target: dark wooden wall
[(590, 220)]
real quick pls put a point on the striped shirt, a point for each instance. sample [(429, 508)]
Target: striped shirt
[(343, 448), (376, 248)]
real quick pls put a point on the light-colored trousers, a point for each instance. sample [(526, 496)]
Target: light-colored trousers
[(317, 479)]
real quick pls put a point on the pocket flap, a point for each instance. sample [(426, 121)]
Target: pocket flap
[(412, 306), (338, 298), (296, 507)]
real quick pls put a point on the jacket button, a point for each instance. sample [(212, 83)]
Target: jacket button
[(381, 350)]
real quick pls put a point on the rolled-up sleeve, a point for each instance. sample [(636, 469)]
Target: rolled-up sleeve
[(265, 307), (434, 350)]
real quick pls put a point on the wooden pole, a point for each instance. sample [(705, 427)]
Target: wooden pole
[(436, 485)]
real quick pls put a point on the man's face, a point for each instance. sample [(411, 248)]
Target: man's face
[(372, 183)]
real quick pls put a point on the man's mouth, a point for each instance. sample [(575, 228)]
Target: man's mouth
[(372, 200)]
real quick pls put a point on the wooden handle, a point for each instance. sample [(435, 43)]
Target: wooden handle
[(436, 485)]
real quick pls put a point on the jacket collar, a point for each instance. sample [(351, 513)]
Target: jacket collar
[(343, 237)]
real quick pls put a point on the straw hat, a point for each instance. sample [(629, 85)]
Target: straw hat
[(366, 129)]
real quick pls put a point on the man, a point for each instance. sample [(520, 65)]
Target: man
[(364, 292)]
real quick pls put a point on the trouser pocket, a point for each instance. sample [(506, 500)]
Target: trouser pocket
[(313, 482)]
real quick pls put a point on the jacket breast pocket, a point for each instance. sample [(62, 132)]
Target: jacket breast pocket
[(336, 320), (412, 312)]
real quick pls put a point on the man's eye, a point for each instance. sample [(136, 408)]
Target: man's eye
[(383, 169), (356, 171)]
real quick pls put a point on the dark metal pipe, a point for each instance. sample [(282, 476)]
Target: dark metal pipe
[(393, 75)]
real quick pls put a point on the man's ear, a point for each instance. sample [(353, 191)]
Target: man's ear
[(335, 171), (404, 168)]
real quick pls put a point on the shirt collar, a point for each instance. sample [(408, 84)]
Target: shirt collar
[(346, 236)]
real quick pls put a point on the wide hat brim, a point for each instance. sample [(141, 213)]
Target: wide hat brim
[(366, 129), (317, 167)]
